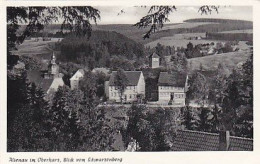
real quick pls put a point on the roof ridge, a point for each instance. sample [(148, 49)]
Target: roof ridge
[(236, 137), (129, 71), (195, 131)]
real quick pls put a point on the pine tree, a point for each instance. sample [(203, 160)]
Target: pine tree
[(59, 115), (188, 118), (203, 122)]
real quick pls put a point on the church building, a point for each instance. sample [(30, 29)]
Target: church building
[(48, 80)]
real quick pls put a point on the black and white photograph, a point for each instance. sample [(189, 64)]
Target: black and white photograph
[(129, 78)]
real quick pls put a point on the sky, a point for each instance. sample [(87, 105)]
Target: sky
[(131, 15)]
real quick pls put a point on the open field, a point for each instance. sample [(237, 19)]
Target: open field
[(41, 49), (229, 60)]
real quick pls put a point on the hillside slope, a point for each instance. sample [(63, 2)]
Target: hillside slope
[(229, 60)]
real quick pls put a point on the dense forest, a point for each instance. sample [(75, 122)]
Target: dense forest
[(230, 36), (102, 49)]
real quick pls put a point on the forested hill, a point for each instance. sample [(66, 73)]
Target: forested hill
[(219, 25), (220, 21), (99, 48)]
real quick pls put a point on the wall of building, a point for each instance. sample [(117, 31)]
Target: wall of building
[(141, 85), (106, 89), (166, 91), (155, 62), (74, 84), (130, 93), (54, 69)]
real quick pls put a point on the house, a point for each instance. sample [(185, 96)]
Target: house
[(74, 80), (48, 80), (188, 140), (172, 87), (101, 70), (154, 60), (135, 87)]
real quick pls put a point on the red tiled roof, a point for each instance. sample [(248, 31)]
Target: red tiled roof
[(132, 77), (175, 79), (187, 140)]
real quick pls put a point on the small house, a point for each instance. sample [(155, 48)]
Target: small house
[(154, 60), (74, 80), (172, 87)]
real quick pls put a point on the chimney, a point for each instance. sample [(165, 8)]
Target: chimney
[(224, 140)]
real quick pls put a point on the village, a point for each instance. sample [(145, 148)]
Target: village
[(186, 89), (171, 90)]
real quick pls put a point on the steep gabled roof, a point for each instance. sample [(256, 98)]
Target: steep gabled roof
[(132, 77), (187, 140), (154, 55), (78, 75), (175, 79), (56, 82), (35, 76)]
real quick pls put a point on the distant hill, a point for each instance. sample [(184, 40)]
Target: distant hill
[(100, 49), (216, 20), (201, 25)]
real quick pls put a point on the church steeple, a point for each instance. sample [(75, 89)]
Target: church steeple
[(53, 58), (53, 67)]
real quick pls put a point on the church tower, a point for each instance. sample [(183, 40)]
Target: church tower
[(53, 67), (154, 60)]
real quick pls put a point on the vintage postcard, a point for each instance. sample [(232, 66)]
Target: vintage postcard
[(120, 82)]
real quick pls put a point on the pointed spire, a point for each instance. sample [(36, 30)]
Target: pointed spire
[(53, 58), (53, 55)]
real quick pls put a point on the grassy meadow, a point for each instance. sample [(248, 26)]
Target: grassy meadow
[(229, 60)]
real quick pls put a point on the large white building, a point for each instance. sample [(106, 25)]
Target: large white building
[(172, 88), (135, 87)]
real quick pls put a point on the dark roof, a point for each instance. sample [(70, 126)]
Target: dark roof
[(175, 79), (187, 140), (132, 77), (35, 76), (154, 55)]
